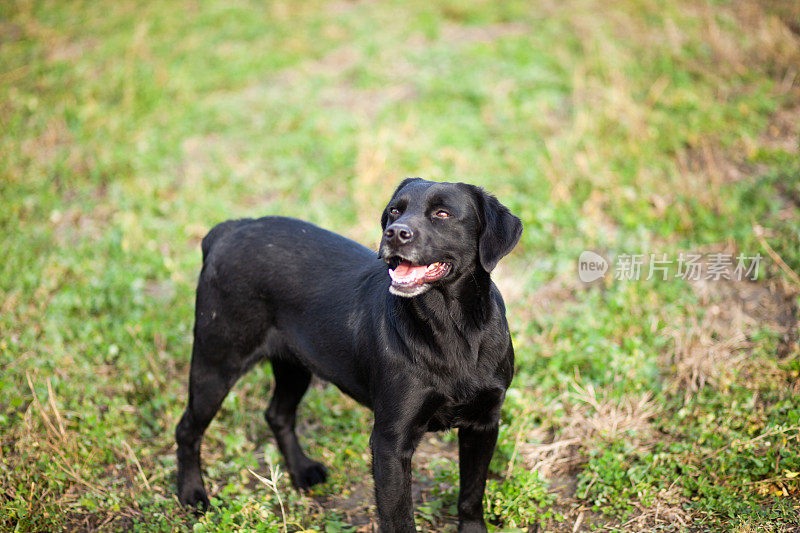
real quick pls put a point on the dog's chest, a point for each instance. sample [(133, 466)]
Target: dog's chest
[(479, 410)]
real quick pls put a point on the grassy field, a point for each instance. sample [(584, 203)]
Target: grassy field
[(127, 129)]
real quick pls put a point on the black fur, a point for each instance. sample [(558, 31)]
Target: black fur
[(312, 301)]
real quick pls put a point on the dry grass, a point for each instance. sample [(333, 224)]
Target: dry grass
[(605, 99), (45, 435), (666, 510), (591, 418), (715, 349)]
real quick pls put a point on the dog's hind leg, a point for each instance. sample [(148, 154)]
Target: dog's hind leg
[(291, 383), (208, 387)]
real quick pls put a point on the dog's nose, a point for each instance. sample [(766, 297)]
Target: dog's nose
[(400, 233)]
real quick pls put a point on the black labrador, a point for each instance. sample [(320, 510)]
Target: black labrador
[(424, 343)]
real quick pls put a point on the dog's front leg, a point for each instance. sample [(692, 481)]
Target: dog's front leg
[(401, 419), (391, 468), (475, 448)]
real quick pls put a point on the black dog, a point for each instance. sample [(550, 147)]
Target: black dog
[(425, 345)]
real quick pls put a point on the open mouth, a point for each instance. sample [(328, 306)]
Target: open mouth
[(408, 278)]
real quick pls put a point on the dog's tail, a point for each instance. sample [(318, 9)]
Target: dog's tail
[(216, 232)]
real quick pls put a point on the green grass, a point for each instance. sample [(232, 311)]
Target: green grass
[(128, 129)]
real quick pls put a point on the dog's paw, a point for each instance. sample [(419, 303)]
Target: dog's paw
[(309, 474), (472, 527), (195, 497)]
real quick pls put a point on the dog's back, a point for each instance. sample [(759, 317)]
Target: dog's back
[(272, 287), (219, 231), (283, 249)]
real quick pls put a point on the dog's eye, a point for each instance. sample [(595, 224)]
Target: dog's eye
[(394, 211), (441, 213)]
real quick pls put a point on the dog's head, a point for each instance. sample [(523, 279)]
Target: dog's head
[(435, 232)]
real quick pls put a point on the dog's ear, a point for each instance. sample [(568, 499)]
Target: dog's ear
[(500, 232), (385, 215)]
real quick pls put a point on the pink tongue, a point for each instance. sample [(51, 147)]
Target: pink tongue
[(405, 270)]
